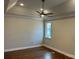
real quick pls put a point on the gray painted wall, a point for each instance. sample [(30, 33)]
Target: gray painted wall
[(22, 32), (63, 35)]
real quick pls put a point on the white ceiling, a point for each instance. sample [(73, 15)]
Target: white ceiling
[(11, 4), (37, 3), (31, 6)]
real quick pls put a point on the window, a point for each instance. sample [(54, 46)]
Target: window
[(48, 30)]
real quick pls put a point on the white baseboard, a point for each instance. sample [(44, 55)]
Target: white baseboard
[(67, 54), (20, 48), (14, 49)]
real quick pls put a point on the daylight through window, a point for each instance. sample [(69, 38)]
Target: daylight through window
[(48, 30)]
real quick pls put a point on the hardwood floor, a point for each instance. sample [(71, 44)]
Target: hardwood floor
[(34, 53)]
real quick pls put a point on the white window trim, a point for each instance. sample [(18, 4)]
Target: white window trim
[(45, 29)]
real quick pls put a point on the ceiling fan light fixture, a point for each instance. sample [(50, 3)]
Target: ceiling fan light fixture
[(42, 15), (41, 9)]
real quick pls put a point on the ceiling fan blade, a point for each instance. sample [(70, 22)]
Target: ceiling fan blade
[(49, 13), (38, 12)]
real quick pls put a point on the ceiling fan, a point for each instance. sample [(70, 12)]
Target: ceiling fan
[(42, 12)]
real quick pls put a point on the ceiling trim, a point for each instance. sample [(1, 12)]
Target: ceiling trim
[(61, 16), (24, 16)]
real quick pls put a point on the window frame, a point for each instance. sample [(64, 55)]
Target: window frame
[(45, 22)]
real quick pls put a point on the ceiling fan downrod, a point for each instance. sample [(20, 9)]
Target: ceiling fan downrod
[(43, 0), (43, 5)]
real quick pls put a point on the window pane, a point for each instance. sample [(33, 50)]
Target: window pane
[(48, 30)]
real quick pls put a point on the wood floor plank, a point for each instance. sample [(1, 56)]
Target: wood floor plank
[(34, 53)]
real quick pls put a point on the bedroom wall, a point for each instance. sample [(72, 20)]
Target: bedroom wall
[(63, 35), (22, 32)]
